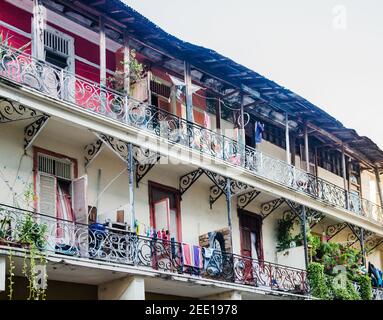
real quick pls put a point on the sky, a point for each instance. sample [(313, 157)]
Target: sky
[(328, 51)]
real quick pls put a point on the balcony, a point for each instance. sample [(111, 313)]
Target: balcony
[(97, 243), (59, 84)]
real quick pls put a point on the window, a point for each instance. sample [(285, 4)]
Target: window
[(165, 210), (59, 49), (60, 194)]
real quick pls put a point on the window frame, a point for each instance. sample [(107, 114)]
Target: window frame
[(36, 172), (166, 189)]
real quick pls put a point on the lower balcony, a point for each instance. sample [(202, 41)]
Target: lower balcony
[(26, 230)]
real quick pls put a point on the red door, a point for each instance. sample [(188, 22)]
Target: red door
[(250, 226)]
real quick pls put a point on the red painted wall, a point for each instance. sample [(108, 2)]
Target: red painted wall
[(84, 49)]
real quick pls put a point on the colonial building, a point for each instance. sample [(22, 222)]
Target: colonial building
[(135, 165)]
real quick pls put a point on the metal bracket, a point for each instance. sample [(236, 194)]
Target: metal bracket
[(355, 235), (119, 147), (92, 150), (296, 209), (32, 130), (269, 207), (373, 244), (187, 180), (245, 199), (334, 229), (144, 163), (11, 111), (215, 194)]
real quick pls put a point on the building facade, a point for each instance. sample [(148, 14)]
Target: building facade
[(134, 165)]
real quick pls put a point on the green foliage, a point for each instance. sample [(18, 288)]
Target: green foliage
[(284, 237), (315, 243), (365, 287), (347, 293), (32, 233), (317, 281), (6, 43), (136, 70)]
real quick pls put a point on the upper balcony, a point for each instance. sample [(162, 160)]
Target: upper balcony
[(20, 69)]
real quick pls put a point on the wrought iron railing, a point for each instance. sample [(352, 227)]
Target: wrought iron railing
[(90, 96), (96, 242), (377, 293)]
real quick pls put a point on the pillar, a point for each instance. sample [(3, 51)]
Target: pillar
[(344, 173), (362, 246), (129, 288), (126, 63), (102, 51), (131, 168), (287, 136), (39, 20), (189, 93), (218, 112), (307, 157), (228, 206), (304, 232), (379, 186)]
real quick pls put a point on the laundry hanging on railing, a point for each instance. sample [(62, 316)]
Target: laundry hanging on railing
[(192, 255), (206, 120), (259, 128)]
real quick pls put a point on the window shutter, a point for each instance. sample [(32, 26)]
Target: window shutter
[(162, 214), (79, 200), (47, 195)]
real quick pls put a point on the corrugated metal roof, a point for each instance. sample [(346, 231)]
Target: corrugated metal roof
[(220, 66)]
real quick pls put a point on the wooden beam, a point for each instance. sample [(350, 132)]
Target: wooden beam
[(348, 150)]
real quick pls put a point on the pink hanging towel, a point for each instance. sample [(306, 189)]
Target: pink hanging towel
[(186, 257), (206, 120)]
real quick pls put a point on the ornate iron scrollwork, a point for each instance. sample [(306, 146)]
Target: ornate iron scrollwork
[(92, 150), (372, 244), (32, 130), (14, 111), (145, 161), (187, 180), (334, 229), (215, 194), (269, 207), (119, 147), (245, 199)]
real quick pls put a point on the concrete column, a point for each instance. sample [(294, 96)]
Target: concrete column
[(2, 274), (39, 20), (231, 295), (129, 288)]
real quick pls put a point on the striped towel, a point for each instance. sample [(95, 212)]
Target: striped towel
[(192, 255)]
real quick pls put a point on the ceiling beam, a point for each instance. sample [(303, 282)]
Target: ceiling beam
[(339, 143)]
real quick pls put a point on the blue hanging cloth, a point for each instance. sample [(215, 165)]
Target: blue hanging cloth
[(259, 128)]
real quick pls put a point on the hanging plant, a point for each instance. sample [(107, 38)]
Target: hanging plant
[(136, 70)]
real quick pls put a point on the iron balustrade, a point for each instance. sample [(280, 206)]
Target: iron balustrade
[(377, 293), (92, 242), (90, 96)]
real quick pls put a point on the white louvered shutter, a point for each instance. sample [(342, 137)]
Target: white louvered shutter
[(79, 200), (47, 195)]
